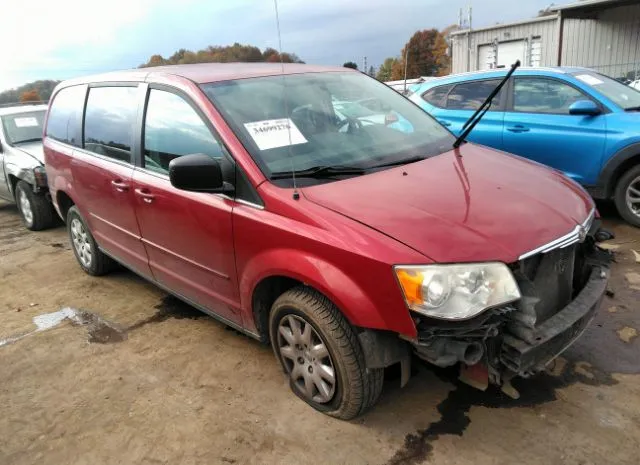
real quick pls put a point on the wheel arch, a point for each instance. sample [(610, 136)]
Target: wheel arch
[(270, 274), (63, 203), (614, 168)]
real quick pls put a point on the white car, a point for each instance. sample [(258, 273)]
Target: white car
[(22, 176)]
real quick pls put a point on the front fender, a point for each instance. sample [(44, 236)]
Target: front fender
[(348, 295), (23, 173)]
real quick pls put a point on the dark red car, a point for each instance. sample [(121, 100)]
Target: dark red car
[(346, 237)]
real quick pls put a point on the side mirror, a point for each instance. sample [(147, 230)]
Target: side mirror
[(584, 107), (199, 173)]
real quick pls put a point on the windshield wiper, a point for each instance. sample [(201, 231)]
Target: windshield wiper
[(398, 162), (479, 113), (319, 172), (632, 108)]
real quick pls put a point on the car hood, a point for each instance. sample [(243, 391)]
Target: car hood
[(32, 148), (481, 206)]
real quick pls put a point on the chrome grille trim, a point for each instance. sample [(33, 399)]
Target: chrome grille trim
[(576, 235)]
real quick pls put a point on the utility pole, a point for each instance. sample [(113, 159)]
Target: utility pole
[(406, 62), (469, 42)]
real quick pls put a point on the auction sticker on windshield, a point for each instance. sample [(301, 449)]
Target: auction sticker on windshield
[(25, 122), (274, 133), (588, 79)]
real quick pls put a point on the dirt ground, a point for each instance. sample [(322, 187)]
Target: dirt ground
[(144, 379)]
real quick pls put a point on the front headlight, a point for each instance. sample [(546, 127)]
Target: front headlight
[(456, 292)]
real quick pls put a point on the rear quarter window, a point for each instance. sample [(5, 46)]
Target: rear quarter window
[(470, 95), (437, 96), (65, 115)]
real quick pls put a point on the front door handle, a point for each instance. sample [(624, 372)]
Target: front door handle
[(145, 195), (444, 122), (518, 128), (119, 185)]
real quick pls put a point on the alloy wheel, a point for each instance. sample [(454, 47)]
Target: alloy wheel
[(81, 242), (306, 359), (632, 196), (25, 207)]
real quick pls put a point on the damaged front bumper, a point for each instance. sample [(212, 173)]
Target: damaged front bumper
[(561, 292), (531, 349)]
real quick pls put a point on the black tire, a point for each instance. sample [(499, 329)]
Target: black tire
[(40, 214), (357, 388), (621, 192), (100, 263)]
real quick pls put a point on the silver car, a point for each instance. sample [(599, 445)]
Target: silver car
[(22, 176)]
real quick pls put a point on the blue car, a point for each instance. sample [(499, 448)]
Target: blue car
[(582, 123)]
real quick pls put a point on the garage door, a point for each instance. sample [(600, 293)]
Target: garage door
[(509, 52), (485, 57)]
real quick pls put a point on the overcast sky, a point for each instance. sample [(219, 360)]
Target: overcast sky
[(66, 38)]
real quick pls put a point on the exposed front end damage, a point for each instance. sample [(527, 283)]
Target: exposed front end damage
[(561, 289)]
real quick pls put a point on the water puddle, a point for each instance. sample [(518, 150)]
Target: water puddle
[(169, 307), (99, 330)]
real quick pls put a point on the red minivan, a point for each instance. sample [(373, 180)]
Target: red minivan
[(348, 237)]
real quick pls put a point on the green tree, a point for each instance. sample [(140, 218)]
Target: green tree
[(223, 54), (350, 64), (386, 69)]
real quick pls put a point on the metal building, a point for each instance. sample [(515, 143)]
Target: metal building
[(599, 34)]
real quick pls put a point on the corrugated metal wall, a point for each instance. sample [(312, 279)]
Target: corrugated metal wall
[(610, 42), (546, 28)]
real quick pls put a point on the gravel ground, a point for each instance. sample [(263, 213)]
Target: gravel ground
[(134, 376)]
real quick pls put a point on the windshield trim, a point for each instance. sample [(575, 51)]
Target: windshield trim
[(246, 142)]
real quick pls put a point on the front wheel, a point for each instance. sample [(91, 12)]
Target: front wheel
[(35, 210), (320, 353), (627, 196)]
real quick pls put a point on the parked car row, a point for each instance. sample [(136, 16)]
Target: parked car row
[(321, 212), (582, 123)]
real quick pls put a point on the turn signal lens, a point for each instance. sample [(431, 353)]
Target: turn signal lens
[(411, 283)]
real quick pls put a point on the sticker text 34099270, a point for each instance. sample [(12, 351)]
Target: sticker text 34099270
[(274, 133)]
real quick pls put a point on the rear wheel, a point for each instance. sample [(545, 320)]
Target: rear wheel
[(627, 196), (92, 260), (35, 210), (320, 353)]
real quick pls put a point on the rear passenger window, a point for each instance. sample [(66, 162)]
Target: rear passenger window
[(437, 96), (172, 128), (65, 115), (470, 95), (109, 121)]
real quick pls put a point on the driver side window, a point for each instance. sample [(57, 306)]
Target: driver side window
[(172, 128), (539, 95)]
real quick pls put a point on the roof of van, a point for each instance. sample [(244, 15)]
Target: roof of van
[(209, 72)]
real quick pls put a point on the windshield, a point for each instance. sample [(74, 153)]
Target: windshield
[(304, 121), (23, 127), (622, 95)]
